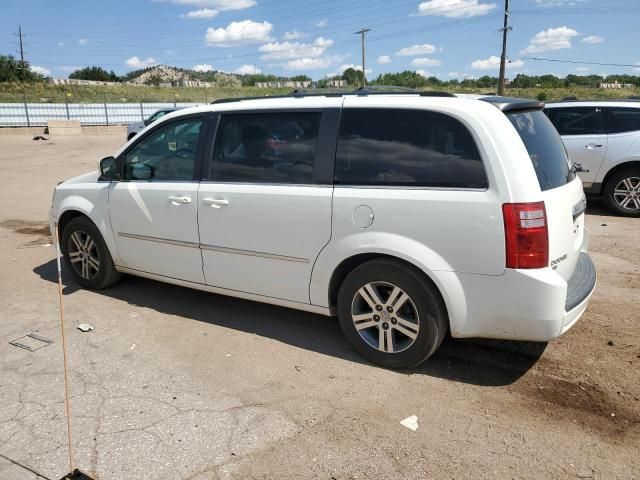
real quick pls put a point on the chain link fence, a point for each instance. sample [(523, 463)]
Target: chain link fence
[(38, 114)]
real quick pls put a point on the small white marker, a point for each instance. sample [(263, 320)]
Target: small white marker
[(410, 422)]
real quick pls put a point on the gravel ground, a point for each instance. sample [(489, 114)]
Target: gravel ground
[(178, 384)]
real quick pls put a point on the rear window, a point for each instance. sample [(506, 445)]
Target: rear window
[(545, 147)]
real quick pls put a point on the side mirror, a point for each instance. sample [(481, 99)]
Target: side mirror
[(141, 171), (109, 169)]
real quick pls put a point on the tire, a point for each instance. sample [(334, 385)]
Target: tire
[(620, 187), (86, 255), (407, 334)]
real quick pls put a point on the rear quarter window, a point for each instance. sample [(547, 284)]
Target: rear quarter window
[(404, 147), (621, 119), (545, 148)]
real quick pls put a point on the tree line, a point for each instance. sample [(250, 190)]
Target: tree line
[(14, 70)]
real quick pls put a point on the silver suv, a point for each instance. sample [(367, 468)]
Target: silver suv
[(603, 137)]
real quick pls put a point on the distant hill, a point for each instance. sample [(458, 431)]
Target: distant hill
[(165, 73)]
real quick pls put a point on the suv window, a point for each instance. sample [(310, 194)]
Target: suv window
[(380, 146), (167, 154), (545, 147), (620, 119), (575, 120), (266, 148)]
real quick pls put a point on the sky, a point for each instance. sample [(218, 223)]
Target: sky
[(444, 38)]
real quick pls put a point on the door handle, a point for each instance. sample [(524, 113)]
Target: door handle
[(215, 203), (591, 146), (179, 200)]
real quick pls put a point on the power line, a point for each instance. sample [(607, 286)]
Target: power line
[(582, 63)]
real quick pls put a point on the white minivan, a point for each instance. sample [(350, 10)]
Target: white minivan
[(408, 215)]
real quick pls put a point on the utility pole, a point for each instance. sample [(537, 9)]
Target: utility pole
[(361, 32), (503, 58), (22, 65)]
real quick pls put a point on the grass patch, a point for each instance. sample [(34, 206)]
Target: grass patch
[(49, 93)]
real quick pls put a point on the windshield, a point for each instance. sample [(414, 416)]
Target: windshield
[(545, 147)]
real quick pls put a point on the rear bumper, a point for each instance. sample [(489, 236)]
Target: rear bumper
[(534, 305)]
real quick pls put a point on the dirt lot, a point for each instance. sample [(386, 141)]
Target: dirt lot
[(179, 384)]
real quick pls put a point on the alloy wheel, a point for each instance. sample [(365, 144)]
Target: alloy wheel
[(627, 193), (83, 254), (385, 317)]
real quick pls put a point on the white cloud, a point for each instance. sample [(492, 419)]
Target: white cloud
[(307, 63), (424, 49), (459, 75), (384, 59), (45, 72), (203, 67), (424, 73), (215, 4), (247, 70), (582, 69), (455, 8), (61, 44), (289, 50), (340, 70), (493, 63), (321, 23), (592, 39), (202, 13), (83, 41), (135, 62), (425, 62), (294, 35), (551, 39), (70, 68), (239, 33)]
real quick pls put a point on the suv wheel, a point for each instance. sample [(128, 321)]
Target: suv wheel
[(391, 314), (87, 256), (622, 192)]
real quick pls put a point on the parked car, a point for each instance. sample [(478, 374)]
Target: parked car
[(604, 138), (406, 215), (135, 128)]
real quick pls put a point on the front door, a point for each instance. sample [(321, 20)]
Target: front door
[(583, 135), (154, 208), (265, 212)]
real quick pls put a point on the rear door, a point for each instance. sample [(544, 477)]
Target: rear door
[(562, 191), (583, 134), (622, 124), (264, 206)]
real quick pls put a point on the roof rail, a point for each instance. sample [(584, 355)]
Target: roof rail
[(360, 91), (570, 99)]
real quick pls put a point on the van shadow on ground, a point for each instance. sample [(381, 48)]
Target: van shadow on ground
[(478, 362)]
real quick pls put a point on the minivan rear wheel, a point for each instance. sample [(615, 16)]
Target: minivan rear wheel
[(391, 313), (622, 192)]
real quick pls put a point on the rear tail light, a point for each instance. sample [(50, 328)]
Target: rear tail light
[(526, 235)]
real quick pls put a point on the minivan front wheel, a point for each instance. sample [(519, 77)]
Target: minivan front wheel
[(86, 255), (391, 314), (622, 192)]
